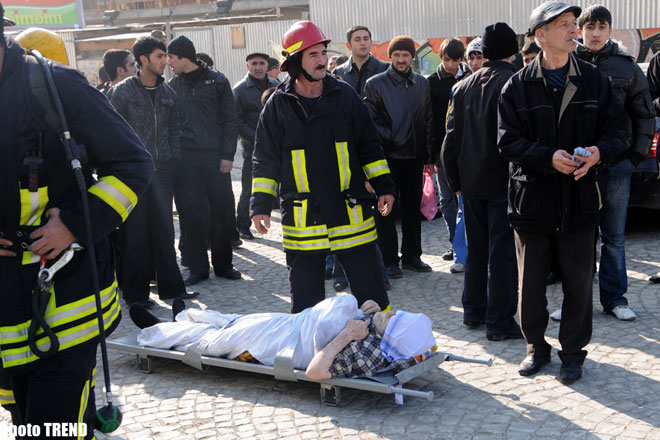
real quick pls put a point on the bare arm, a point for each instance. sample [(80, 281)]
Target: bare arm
[(319, 367)]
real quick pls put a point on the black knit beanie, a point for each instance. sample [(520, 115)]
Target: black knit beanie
[(402, 42), (499, 41), (183, 48)]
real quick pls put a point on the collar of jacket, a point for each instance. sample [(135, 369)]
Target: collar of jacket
[(499, 64), (534, 72), (398, 79), (610, 49), (369, 64), (330, 84), (443, 74), (196, 74), (251, 81), (160, 80), (13, 52)]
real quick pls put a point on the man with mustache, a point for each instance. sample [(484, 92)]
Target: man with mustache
[(316, 146), (399, 101)]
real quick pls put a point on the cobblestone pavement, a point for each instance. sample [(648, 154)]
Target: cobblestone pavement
[(616, 398)]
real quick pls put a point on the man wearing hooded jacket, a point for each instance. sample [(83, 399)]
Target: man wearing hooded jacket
[(316, 141), (40, 217)]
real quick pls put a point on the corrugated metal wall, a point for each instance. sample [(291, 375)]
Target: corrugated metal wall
[(216, 41), (68, 38), (444, 18)]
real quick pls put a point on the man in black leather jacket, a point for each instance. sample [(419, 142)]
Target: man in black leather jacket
[(475, 169), (630, 87), (361, 65), (247, 95), (209, 132), (149, 105), (546, 111), (399, 101)]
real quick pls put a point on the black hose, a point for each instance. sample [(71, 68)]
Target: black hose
[(40, 298)]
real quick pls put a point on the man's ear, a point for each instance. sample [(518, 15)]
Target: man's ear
[(144, 60), (580, 31), (348, 45)]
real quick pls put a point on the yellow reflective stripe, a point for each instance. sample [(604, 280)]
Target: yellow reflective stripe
[(294, 46), (33, 205), (264, 185), (60, 315), (340, 231), (354, 241), (84, 397), (388, 308), (307, 245), (304, 232), (354, 214), (300, 213), (116, 194), (344, 165), (6, 397), (377, 168), (299, 164), (94, 377), (30, 258), (68, 338)]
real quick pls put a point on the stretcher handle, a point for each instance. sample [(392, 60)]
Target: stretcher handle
[(428, 395), (453, 357)]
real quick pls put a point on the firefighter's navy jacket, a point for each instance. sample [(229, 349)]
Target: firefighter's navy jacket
[(124, 168), (320, 163)]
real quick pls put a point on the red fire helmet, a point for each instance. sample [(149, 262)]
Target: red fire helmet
[(300, 36)]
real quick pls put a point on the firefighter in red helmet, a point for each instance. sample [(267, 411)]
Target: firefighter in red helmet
[(316, 147)]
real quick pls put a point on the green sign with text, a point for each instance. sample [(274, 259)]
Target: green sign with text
[(45, 13)]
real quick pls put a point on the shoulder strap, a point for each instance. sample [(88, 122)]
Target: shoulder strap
[(40, 91)]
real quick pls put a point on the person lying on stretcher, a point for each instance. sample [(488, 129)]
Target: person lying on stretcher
[(333, 339)]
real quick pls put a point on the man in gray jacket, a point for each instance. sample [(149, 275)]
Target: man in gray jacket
[(148, 104), (247, 95)]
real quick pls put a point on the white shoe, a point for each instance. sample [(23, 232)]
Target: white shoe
[(556, 315), (624, 313), (457, 268)]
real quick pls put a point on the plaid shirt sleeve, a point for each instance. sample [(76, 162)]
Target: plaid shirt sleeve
[(359, 358)]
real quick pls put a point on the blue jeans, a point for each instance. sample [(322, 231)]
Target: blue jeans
[(459, 243), (448, 205), (490, 289), (612, 277)]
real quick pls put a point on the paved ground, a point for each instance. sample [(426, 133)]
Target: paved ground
[(617, 397)]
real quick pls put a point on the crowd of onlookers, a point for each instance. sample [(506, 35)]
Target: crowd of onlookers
[(499, 127)]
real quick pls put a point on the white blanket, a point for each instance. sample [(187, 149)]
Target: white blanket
[(262, 334)]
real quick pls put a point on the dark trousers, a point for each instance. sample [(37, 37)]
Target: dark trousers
[(58, 390), (243, 209), (148, 243), (362, 268), (201, 172), (407, 175), (576, 260), (490, 288)]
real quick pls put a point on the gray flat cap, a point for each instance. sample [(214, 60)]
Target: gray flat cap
[(549, 11)]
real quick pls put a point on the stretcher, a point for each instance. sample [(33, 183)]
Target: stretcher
[(385, 383)]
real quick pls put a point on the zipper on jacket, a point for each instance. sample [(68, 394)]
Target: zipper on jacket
[(153, 105), (519, 205), (600, 198)]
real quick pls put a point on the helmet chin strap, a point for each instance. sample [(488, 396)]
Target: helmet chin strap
[(308, 77)]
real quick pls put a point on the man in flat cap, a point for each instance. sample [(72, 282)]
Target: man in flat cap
[(247, 95), (558, 120), (399, 101)]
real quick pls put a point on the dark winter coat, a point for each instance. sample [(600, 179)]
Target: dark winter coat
[(156, 123), (630, 87), (540, 198), (470, 157), (402, 110), (357, 78), (209, 118), (247, 96)]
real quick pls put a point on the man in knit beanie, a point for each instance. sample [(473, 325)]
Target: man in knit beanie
[(400, 103), (475, 169), (209, 132)]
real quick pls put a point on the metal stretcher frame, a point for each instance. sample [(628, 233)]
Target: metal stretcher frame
[(283, 370)]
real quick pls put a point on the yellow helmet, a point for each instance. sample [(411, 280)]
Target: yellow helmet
[(48, 43)]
